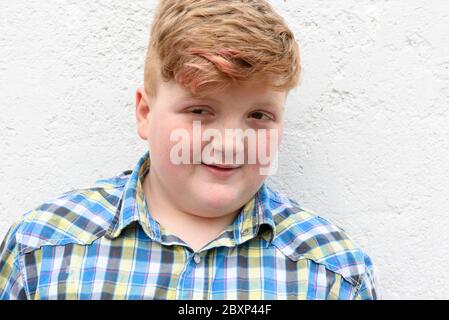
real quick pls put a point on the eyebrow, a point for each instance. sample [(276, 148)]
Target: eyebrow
[(258, 104), (264, 104)]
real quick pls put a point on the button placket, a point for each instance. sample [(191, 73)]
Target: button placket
[(196, 258)]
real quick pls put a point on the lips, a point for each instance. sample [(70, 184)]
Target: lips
[(221, 171), (222, 166)]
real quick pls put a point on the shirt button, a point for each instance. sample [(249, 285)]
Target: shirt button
[(245, 232), (196, 258)]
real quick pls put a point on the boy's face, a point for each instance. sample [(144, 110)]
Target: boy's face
[(197, 188)]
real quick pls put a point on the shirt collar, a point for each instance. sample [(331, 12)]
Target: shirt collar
[(255, 216)]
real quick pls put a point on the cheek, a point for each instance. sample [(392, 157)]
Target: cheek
[(267, 144), (161, 145), (159, 136)]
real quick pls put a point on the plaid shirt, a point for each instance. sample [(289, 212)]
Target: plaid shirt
[(101, 242)]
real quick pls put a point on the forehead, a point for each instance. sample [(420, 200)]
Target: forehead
[(253, 92)]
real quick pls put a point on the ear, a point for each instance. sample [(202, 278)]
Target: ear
[(142, 112)]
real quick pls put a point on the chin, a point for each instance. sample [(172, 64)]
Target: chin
[(219, 198)]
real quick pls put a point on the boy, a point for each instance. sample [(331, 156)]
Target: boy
[(203, 229)]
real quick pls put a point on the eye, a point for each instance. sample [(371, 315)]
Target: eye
[(259, 115), (199, 111)]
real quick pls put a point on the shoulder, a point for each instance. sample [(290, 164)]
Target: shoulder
[(78, 216), (303, 234)]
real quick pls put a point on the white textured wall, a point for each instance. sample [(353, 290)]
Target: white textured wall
[(367, 131)]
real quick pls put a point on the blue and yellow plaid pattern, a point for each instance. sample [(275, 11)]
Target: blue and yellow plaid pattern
[(101, 242)]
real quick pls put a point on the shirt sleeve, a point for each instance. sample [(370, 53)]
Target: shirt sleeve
[(11, 281), (367, 289)]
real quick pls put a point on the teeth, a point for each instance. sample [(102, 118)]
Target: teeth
[(222, 166)]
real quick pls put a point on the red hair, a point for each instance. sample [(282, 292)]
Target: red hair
[(208, 44)]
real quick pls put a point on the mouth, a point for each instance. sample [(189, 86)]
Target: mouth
[(221, 170)]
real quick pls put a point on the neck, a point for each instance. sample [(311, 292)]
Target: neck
[(195, 230)]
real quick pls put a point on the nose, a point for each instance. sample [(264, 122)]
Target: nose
[(228, 147)]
